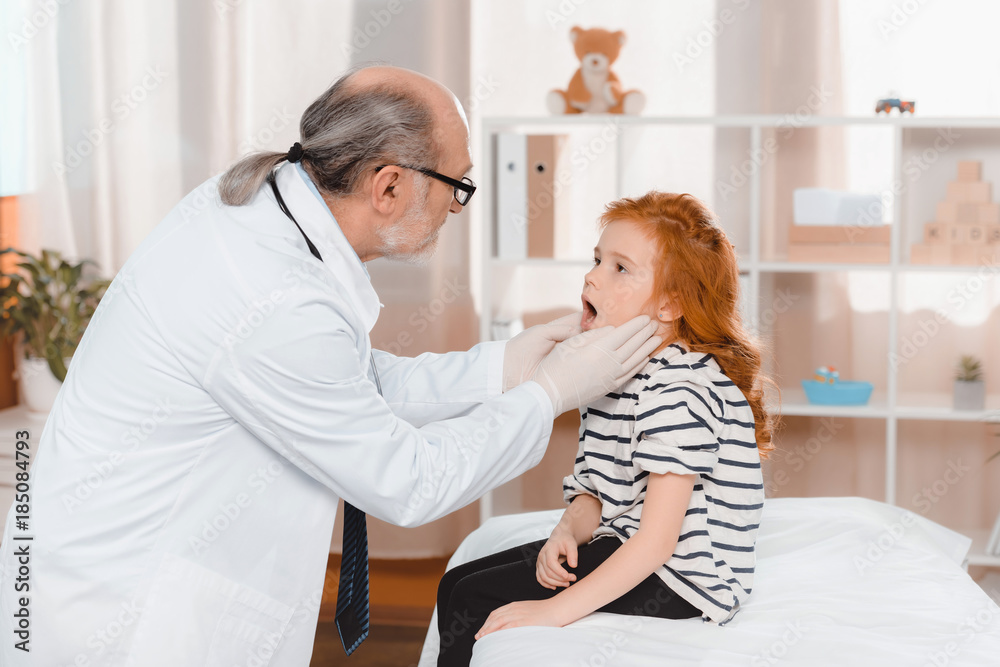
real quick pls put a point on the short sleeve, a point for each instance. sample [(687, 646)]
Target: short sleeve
[(675, 430), (579, 482)]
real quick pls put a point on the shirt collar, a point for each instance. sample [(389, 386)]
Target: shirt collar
[(339, 257)]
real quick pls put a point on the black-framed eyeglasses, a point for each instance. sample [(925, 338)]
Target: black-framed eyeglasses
[(464, 188)]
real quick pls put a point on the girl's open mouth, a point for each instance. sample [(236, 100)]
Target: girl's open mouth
[(589, 314)]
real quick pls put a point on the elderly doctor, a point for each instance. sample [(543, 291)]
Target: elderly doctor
[(225, 396)]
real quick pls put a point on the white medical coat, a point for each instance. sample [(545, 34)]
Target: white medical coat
[(185, 484)]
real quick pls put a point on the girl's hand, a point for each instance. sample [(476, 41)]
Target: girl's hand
[(519, 614), (560, 547)]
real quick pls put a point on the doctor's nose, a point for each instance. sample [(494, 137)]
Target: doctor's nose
[(455, 206)]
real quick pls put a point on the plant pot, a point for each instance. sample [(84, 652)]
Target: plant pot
[(969, 395), (36, 385)]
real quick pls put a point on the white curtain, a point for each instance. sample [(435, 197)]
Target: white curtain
[(131, 105)]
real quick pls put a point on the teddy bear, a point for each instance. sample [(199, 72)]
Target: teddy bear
[(595, 88)]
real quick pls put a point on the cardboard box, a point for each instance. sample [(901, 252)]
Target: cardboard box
[(979, 191), (961, 212), (970, 170), (857, 253), (989, 214), (973, 191), (922, 253), (973, 254), (839, 234)]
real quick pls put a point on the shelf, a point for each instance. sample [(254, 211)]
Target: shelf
[(573, 263), (813, 267), (893, 150), (945, 268), (937, 407), (794, 404), (544, 261), (923, 407), (977, 552), (767, 120)]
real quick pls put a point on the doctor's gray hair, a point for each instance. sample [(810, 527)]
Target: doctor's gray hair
[(346, 133)]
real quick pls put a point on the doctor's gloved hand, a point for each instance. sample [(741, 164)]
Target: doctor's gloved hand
[(591, 364), (525, 351)]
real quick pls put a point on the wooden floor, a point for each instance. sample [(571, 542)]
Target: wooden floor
[(403, 593), (386, 646)]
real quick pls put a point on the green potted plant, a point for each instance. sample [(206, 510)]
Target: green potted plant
[(970, 390), (49, 303)]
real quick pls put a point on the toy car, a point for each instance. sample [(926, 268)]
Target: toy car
[(889, 103)]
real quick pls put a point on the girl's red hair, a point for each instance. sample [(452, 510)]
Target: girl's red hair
[(699, 271)]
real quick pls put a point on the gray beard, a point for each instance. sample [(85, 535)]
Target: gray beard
[(406, 233)]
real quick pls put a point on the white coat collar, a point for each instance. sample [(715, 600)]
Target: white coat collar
[(323, 230)]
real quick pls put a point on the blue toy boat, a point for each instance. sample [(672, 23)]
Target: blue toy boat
[(837, 393)]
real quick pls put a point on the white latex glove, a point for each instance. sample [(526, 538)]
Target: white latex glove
[(524, 351), (591, 364)]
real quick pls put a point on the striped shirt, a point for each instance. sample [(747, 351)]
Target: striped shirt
[(680, 414)]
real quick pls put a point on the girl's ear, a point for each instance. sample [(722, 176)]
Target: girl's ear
[(669, 311)]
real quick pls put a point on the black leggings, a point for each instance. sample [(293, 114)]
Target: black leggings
[(468, 593)]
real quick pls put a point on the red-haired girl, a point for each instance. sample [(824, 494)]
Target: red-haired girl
[(666, 492)]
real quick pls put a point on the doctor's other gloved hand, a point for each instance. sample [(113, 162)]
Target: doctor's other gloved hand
[(525, 351), (591, 364)]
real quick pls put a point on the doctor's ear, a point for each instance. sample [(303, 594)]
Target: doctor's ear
[(383, 189)]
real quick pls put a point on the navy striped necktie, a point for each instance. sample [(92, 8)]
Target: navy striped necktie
[(352, 590)]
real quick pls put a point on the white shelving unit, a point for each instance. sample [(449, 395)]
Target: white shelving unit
[(760, 265)]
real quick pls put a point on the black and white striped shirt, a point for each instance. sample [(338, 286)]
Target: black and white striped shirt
[(680, 414)]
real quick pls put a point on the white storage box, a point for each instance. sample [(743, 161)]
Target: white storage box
[(822, 206)]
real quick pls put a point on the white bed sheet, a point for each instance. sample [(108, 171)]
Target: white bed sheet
[(839, 581)]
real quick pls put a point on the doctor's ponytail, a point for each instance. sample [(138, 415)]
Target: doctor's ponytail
[(242, 180), (345, 133)]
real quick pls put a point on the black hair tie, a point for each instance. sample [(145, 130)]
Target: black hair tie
[(295, 152)]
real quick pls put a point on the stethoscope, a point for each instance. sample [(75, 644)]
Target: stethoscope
[(315, 252)]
